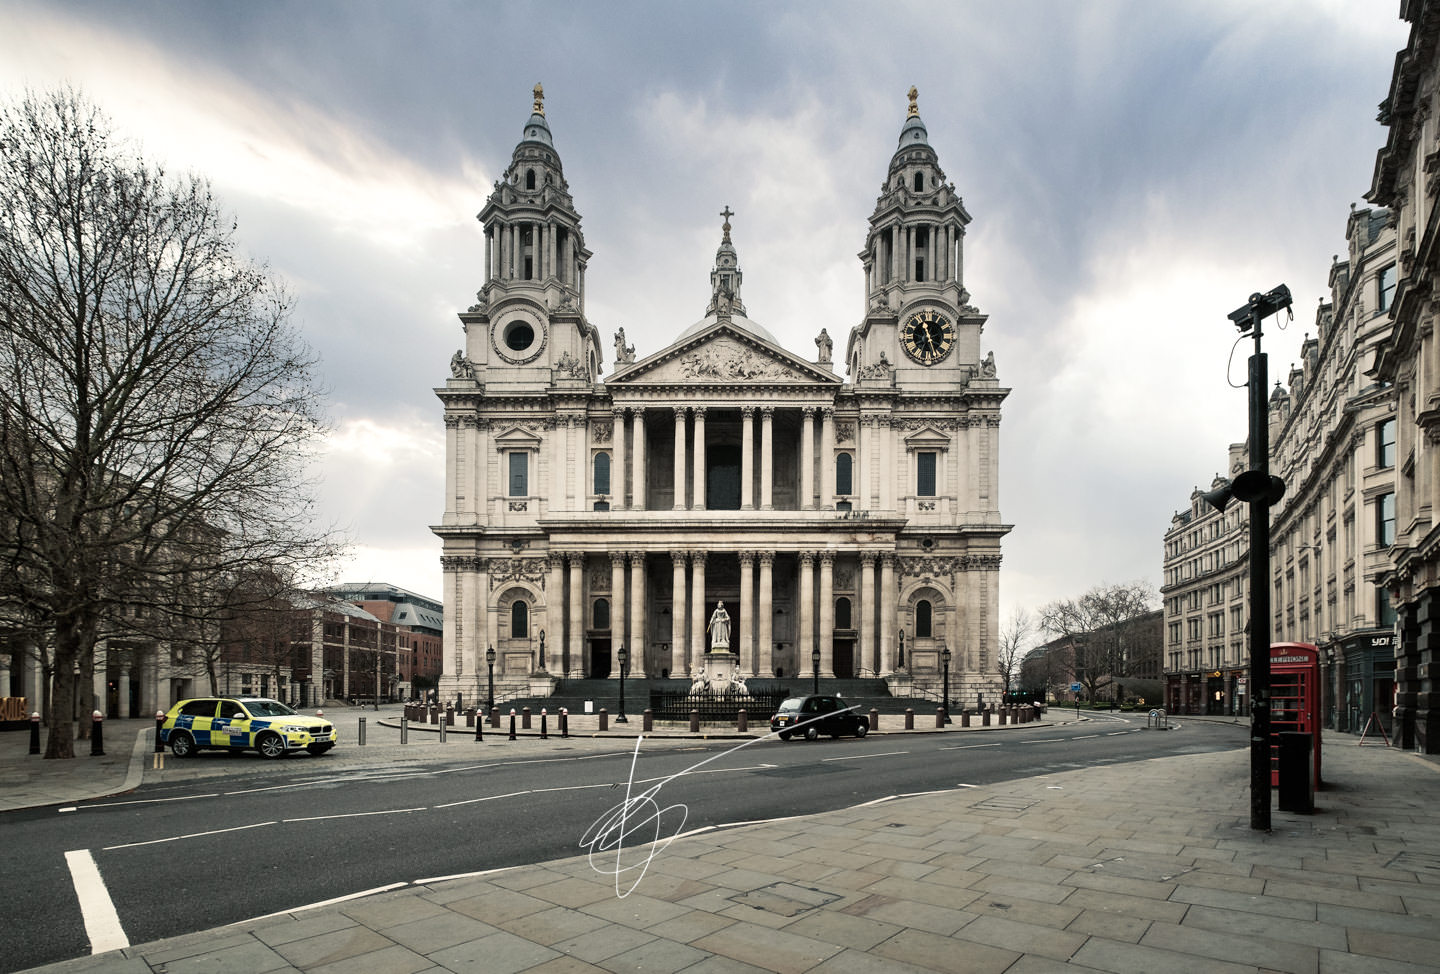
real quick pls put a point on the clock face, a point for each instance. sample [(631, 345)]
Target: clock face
[(927, 337)]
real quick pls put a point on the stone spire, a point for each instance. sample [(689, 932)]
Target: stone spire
[(725, 278)]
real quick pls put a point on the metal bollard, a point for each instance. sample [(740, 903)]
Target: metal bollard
[(524, 718), (97, 735), (564, 722), (1002, 716), (443, 724), (742, 720), (159, 723), (512, 723), (495, 717), (360, 733), (404, 730), (939, 716), (985, 719), (964, 718), (874, 719), (544, 735), (604, 720), (35, 732), (479, 726), (647, 721), (694, 721), (909, 719)]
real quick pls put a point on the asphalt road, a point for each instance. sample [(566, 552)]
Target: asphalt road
[(250, 837)]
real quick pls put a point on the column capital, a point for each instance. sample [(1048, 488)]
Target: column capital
[(699, 411), (766, 558), (887, 559), (678, 557), (827, 558), (807, 558), (620, 412), (767, 412), (746, 558), (827, 413), (617, 559), (697, 558), (636, 556), (747, 412), (680, 412), (452, 422)]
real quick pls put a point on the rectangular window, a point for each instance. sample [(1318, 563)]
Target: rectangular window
[(925, 474), (1384, 611), (1387, 288), (519, 474), (1385, 444), (1385, 520)]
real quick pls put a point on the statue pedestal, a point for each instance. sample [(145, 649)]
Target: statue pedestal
[(718, 671)]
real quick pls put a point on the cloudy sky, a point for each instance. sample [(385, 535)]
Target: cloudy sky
[(1134, 169)]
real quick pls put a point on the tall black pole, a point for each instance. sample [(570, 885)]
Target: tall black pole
[(1259, 588)]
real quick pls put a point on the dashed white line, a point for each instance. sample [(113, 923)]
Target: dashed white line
[(388, 811), (967, 747), (191, 835), (102, 923), (862, 757)]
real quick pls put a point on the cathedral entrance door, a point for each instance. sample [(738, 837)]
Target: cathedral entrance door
[(722, 477), (599, 659), (845, 659)]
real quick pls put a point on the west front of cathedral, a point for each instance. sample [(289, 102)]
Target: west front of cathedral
[(839, 505)]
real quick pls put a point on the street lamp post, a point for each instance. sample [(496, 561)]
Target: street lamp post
[(815, 668), (623, 658), (490, 665), (945, 658)]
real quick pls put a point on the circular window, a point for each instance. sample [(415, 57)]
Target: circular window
[(519, 336)]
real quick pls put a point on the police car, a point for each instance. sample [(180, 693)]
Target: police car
[(243, 724)]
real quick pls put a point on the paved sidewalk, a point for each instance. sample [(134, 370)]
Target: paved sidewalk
[(1126, 868)]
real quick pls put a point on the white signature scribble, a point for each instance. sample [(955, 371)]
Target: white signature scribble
[(641, 813)]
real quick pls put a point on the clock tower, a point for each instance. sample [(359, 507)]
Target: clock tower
[(919, 329)]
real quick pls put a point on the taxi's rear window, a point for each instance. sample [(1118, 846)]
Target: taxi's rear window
[(792, 703)]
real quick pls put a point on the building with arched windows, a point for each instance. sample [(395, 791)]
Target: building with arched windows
[(850, 517)]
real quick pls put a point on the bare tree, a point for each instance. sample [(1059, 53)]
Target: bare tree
[(1014, 634), (156, 406), (1101, 631)]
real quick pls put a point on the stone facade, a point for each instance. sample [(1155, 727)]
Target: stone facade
[(856, 515)]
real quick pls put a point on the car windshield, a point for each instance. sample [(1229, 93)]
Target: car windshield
[(267, 708), (790, 704)]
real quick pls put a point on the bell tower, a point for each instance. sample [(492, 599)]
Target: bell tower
[(527, 328), (919, 328)]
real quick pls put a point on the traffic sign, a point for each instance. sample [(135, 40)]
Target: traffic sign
[(1074, 688)]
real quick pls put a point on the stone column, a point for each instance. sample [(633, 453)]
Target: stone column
[(678, 655), (454, 491), (805, 638), (744, 629), (888, 598), (700, 475), (807, 459), (827, 459), (617, 609), (555, 597), (827, 614), (886, 462), (747, 458), (577, 668), (767, 457), (618, 470), (866, 612), (637, 447), (679, 504), (698, 646), (478, 465), (489, 256), (559, 457), (766, 665), (638, 663)]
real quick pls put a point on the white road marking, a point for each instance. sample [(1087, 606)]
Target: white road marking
[(1084, 737), (102, 923), (967, 747), (862, 757), (388, 811), (1047, 740), (146, 801), (191, 835)]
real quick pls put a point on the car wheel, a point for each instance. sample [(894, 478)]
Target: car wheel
[(862, 729), (182, 745), (271, 745), (318, 749), (784, 735), (811, 733)]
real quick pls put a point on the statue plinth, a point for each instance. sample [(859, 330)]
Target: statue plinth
[(718, 674)]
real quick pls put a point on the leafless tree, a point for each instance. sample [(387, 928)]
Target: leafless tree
[(1014, 634), (157, 408), (1100, 630)]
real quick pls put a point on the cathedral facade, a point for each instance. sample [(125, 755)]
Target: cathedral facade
[(841, 514)]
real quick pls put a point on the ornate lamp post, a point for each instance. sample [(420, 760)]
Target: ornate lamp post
[(490, 665), (623, 658), (945, 658), (900, 663), (815, 668)]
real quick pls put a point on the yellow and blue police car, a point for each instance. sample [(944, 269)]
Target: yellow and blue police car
[(243, 724)]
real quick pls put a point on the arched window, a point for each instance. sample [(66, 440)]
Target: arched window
[(923, 628), (842, 614), (919, 182), (844, 464), (601, 613), (530, 179), (519, 619), (602, 473)]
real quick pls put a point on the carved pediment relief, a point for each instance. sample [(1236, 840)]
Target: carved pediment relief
[(722, 357)]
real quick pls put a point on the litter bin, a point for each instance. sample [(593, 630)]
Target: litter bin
[(1296, 786)]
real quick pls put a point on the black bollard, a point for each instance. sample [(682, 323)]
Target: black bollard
[(512, 723), (564, 722), (543, 735), (159, 723), (35, 732), (97, 736), (479, 726)]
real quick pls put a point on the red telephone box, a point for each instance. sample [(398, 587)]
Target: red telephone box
[(1294, 699)]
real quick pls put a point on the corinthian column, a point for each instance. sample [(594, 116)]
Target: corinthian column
[(745, 647), (766, 665), (677, 615)]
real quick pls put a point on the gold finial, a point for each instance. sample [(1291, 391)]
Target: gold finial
[(540, 99), (914, 108), (727, 213)]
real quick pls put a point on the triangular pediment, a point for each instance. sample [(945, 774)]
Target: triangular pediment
[(517, 437), (723, 355)]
